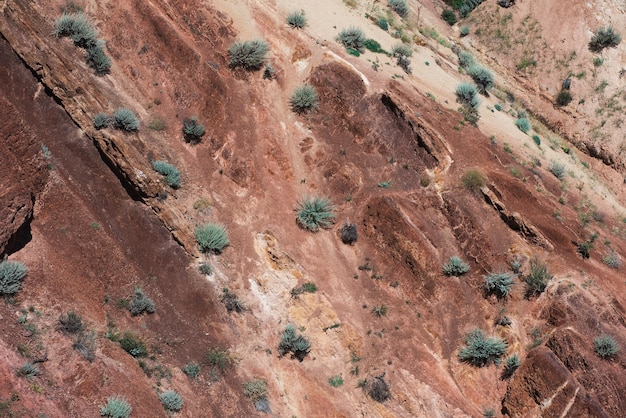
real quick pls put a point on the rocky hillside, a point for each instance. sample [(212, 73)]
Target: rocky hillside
[(287, 208)]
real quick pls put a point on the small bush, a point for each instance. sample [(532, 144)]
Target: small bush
[(455, 267), (85, 344), (306, 287), (294, 343), (466, 95), (116, 407), (401, 49), (399, 6), (466, 60), (28, 370), (205, 268), (481, 351), (473, 180), (383, 24), (537, 140), (612, 259), (482, 77), (336, 381), (379, 310), (192, 370), (377, 388), (192, 130), (352, 38), (538, 279), (564, 98), (70, 323), (449, 17), (296, 20), (557, 169), (219, 359), (232, 302), (405, 63), (133, 345), (125, 120), (604, 37), (465, 30), (98, 59), (255, 390), (249, 55), (510, 366), (374, 46), (304, 99), (171, 173), (498, 284), (171, 401), (78, 28), (11, 275), (523, 124), (101, 121), (349, 233), (315, 213), (141, 303), (211, 237), (605, 346)]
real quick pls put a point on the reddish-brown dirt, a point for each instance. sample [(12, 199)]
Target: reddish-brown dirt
[(382, 147)]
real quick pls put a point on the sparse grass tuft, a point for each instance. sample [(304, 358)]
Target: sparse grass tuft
[(523, 124), (604, 37), (171, 401), (612, 259), (171, 173), (558, 170), (296, 20), (605, 347), (141, 303), (379, 310), (498, 284), (401, 49), (249, 55), (481, 351), (294, 343), (125, 120), (192, 130), (133, 345), (466, 95), (232, 302), (255, 390), (304, 99), (465, 30), (455, 267), (538, 279), (466, 60), (70, 323), (116, 407), (11, 275), (219, 359), (352, 38), (101, 121), (399, 6), (315, 213), (192, 370), (510, 366), (211, 237), (336, 381), (28, 370), (482, 77), (473, 180), (563, 98)]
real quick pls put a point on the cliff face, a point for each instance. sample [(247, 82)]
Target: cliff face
[(93, 221)]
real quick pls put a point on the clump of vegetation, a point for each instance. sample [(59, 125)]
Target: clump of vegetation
[(304, 99), (116, 407), (383, 24), (482, 77), (315, 213), (612, 259), (374, 46), (523, 124), (294, 343), (537, 140), (70, 323), (352, 38), (205, 268), (605, 37), (466, 6), (349, 233), (605, 346), (564, 98), (481, 351), (399, 6), (538, 278), (498, 284), (473, 180), (192, 130), (379, 310), (336, 381), (377, 388), (133, 345), (401, 49), (511, 364), (101, 121), (77, 27), (192, 369), (256, 390), (449, 16), (141, 303), (296, 20), (219, 359), (171, 173), (307, 287), (249, 55), (85, 344), (466, 60), (231, 301), (125, 119), (465, 30), (171, 401), (98, 59), (557, 169), (11, 275), (455, 267), (466, 95), (211, 237), (28, 370)]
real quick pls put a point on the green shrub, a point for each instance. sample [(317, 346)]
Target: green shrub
[(70, 323), (306, 287), (352, 38), (482, 77), (399, 6), (538, 279), (101, 121), (563, 98), (28, 370), (466, 60), (598, 61), (466, 95), (336, 381), (473, 180), (85, 344), (116, 407), (291, 342), (171, 173), (537, 140), (211, 237), (401, 50), (405, 63), (523, 124), (605, 346), (498, 284), (468, 5), (604, 37), (125, 120), (455, 267), (481, 351), (315, 213), (192, 370), (465, 30), (249, 55), (11, 275), (379, 310), (612, 259), (498, 107), (296, 20), (557, 169), (232, 302), (78, 28), (219, 359), (141, 303), (349, 233), (377, 388), (510, 366), (383, 24), (205, 268), (133, 345), (192, 130), (449, 17), (255, 390), (304, 99), (97, 59), (171, 401), (374, 46)]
